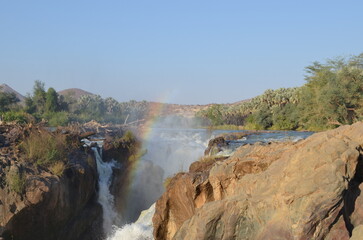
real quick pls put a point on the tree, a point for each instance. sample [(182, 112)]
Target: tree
[(51, 103), (7, 100), (39, 96), (333, 94)]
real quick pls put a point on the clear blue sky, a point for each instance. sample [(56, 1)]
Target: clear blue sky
[(193, 52)]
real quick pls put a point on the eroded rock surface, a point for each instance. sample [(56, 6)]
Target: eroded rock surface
[(304, 190), (47, 206)]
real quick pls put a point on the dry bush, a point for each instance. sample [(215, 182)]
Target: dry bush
[(45, 148), (58, 168), (208, 159)]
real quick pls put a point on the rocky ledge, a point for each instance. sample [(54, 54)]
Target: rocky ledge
[(304, 190)]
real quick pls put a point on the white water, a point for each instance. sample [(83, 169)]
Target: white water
[(142, 229), (168, 151), (105, 198)]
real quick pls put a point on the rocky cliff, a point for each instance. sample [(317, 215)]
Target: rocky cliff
[(305, 190), (36, 202)]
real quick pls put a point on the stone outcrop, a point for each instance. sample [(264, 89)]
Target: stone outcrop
[(47, 206), (215, 145), (304, 190)]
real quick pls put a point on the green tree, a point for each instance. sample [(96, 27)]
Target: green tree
[(51, 103), (333, 94), (7, 100), (39, 96)]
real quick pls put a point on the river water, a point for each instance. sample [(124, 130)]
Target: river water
[(169, 151)]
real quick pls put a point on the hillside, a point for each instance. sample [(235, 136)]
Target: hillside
[(5, 88), (74, 93)]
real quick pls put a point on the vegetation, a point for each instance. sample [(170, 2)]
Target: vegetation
[(58, 168), (7, 101), (133, 145), (57, 110), (207, 159), (46, 148), (16, 180), (332, 96), (17, 117)]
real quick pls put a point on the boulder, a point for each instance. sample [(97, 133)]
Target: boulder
[(215, 145)]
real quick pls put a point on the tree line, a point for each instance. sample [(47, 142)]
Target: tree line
[(332, 96), (54, 109)]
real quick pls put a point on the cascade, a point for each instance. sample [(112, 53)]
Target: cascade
[(105, 198)]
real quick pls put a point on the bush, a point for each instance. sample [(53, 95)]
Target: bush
[(251, 123), (18, 117), (45, 148), (208, 159), (16, 181), (57, 118), (58, 168), (128, 137)]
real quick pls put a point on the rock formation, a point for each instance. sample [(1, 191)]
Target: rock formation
[(304, 190), (37, 204)]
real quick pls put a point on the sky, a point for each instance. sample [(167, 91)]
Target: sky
[(184, 52)]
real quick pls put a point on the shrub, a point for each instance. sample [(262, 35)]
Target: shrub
[(18, 117), (16, 181), (45, 148), (57, 118), (207, 159), (134, 146), (128, 136), (58, 168)]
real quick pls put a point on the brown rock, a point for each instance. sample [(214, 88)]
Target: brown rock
[(215, 145), (278, 191), (46, 206), (357, 233), (357, 214), (338, 231)]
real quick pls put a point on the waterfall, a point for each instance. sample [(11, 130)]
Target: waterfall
[(105, 198), (142, 229), (168, 151)]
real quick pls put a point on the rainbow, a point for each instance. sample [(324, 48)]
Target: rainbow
[(144, 133)]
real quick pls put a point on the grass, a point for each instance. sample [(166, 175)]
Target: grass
[(16, 181), (224, 127), (58, 168), (207, 159), (45, 148)]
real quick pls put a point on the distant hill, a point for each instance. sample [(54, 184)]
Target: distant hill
[(5, 88), (74, 93), (242, 101)]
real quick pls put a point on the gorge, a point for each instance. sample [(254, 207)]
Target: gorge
[(250, 185)]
